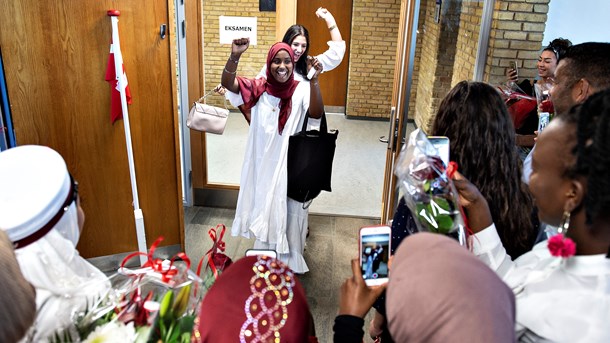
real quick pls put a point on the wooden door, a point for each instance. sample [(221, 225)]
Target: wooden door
[(334, 83), (55, 56)]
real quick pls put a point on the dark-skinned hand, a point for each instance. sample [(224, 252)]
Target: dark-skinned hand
[(356, 297), (473, 202)]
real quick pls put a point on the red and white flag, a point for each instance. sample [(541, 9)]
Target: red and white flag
[(117, 82)]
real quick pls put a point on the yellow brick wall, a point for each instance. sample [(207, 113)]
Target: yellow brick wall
[(517, 31), (216, 54), (372, 57), (516, 34), (468, 37), (445, 52), (438, 57)]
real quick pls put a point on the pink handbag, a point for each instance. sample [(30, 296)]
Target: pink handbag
[(207, 118)]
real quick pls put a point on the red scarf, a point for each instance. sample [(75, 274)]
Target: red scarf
[(252, 89)]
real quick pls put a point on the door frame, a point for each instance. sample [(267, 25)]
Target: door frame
[(403, 74)]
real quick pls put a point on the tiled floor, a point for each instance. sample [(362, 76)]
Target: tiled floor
[(332, 243)]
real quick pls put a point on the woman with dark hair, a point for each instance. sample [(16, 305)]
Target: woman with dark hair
[(297, 37), (546, 64), (561, 286), (482, 142)]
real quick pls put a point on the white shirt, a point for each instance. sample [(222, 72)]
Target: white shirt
[(560, 300)]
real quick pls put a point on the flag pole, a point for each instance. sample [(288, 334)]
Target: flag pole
[(121, 85)]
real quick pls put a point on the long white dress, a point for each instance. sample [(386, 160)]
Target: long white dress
[(558, 300), (263, 208)]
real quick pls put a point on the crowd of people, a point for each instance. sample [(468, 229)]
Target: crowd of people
[(512, 283)]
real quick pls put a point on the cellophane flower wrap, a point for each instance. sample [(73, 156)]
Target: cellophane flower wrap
[(520, 105), (157, 302), (428, 191)]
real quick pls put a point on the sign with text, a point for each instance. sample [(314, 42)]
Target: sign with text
[(237, 27)]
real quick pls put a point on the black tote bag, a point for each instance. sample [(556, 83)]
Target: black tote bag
[(310, 161)]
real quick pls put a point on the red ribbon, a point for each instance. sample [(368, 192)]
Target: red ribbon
[(157, 264), (218, 246), (134, 309), (451, 169)]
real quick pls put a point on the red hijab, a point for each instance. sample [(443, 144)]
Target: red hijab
[(252, 89), (256, 299)]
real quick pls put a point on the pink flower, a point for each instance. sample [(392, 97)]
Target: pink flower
[(561, 246)]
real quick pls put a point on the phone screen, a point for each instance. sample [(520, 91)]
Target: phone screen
[(441, 143), (375, 254), (513, 65), (264, 252)]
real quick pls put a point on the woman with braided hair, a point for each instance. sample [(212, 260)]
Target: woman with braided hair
[(561, 286)]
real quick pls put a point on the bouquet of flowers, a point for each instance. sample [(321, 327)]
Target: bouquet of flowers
[(155, 303), (428, 190)]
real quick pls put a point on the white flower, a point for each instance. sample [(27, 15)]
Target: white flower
[(112, 332)]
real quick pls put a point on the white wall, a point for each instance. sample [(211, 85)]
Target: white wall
[(578, 20)]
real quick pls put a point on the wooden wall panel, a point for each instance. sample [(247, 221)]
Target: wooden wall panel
[(55, 55), (333, 84)]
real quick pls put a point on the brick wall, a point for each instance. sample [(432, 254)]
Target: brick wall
[(372, 57), (215, 54), (438, 52), (517, 31), (468, 37), (445, 52), (516, 34)]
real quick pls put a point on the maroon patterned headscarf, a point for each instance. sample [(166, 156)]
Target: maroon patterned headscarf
[(252, 89), (257, 299)]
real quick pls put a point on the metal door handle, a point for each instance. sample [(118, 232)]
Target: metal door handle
[(163, 31)]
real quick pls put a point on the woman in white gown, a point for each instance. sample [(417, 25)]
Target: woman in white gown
[(278, 105)]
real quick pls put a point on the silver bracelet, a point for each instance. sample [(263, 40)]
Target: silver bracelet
[(231, 72)]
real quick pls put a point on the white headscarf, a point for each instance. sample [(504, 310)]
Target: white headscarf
[(35, 187)]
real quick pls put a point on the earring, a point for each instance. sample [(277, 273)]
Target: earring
[(565, 223), (560, 245)]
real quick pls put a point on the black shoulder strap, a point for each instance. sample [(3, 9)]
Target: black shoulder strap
[(323, 126)]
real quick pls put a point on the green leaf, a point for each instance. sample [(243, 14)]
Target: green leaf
[(182, 301), (166, 303)]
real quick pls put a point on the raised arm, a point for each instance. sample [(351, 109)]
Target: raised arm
[(335, 34), (228, 80), (316, 105), (332, 57)]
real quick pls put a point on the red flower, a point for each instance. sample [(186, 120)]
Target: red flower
[(561, 246)]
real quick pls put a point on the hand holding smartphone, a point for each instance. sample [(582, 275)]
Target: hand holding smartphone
[(513, 73), (375, 253)]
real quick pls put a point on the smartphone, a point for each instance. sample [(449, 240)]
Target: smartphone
[(263, 252), (543, 120), (441, 143), (513, 66), (375, 253)]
